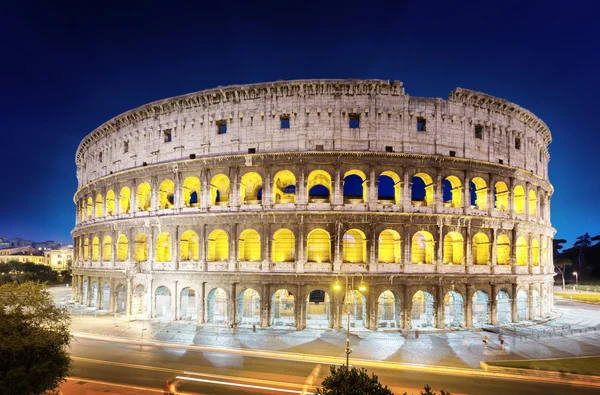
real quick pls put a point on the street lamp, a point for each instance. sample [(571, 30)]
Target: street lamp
[(337, 286), (576, 279)]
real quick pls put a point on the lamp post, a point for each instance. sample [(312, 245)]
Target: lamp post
[(576, 278), (337, 286)]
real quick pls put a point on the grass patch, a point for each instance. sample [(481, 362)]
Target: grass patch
[(585, 365), (595, 287), (590, 298)]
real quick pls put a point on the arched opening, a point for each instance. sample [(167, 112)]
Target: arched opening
[(389, 247), (535, 302), (318, 246), (388, 310), (105, 303), (532, 203), (357, 306), (452, 192), (249, 308), (480, 308), (191, 192), (249, 245), (388, 189), (479, 191), (138, 301), (162, 302), (82, 210), (85, 296), (95, 249), (163, 247), (107, 249), (284, 245), (219, 190), (535, 252), (282, 309), (422, 310), (354, 246), (187, 309), (94, 295), (98, 206), (502, 249), (166, 194), (319, 187), (522, 305), (216, 306), (140, 248), (86, 249), (122, 248), (143, 196), (317, 309), (124, 200), (453, 249), (519, 194), (284, 187), (454, 308), (189, 246), (481, 249), (521, 251), (121, 299), (250, 187), (503, 307), (354, 188), (218, 246), (422, 248), (89, 207), (501, 196), (110, 202), (422, 190)]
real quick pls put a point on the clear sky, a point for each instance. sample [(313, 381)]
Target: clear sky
[(67, 67)]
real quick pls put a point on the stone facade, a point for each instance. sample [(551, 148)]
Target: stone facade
[(234, 206)]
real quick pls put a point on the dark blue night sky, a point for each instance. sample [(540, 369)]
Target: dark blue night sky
[(68, 67)]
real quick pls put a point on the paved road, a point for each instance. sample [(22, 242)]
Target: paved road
[(226, 373)]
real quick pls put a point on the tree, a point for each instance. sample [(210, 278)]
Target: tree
[(584, 241), (35, 335), (557, 245), (15, 271), (561, 265)]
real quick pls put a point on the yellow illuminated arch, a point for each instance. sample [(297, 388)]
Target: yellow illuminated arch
[(481, 249), (501, 196), (143, 196), (140, 248), (163, 247), (218, 246), (532, 203), (191, 185), (502, 250), (89, 207), (283, 179), (318, 177), (166, 194), (86, 249), (519, 194), (110, 202), (481, 192), (397, 184), (122, 248), (428, 187), (249, 246), (124, 200), (284, 245), (521, 251), (456, 191), (82, 209), (535, 252), (422, 247), (363, 177), (189, 246), (318, 246), (453, 249), (95, 248), (249, 187), (354, 246), (220, 184), (389, 247), (107, 249), (98, 205)]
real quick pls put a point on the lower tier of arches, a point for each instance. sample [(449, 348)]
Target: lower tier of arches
[(324, 301)]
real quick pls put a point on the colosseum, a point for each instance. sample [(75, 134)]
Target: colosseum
[(305, 204)]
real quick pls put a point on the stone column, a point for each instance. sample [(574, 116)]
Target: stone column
[(439, 306), (99, 295), (202, 248), (129, 297), (235, 200), (300, 252), (438, 197), (493, 308), (405, 199), (204, 190), (150, 310), (267, 195), (265, 241), (74, 286), (175, 303), (233, 252), (513, 249), (201, 303), (177, 196), (265, 306), (337, 260), (530, 253), (233, 304), (301, 187), (469, 246), (469, 289), (491, 203), (439, 259), (373, 190), (513, 304), (467, 191), (338, 194), (407, 246), (154, 182), (175, 251), (132, 199), (407, 307), (527, 213), (530, 306), (494, 246)]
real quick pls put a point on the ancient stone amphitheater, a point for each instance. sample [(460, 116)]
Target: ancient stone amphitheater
[(307, 203)]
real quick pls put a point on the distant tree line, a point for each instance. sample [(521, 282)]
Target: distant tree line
[(583, 257), (19, 272)]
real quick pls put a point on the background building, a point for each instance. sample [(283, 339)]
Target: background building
[(59, 259)]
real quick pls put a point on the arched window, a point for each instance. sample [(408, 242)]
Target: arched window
[(163, 247), (452, 192), (519, 193), (249, 246), (389, 247), (166, 194), (95, 249), (355, 190), (318, 246), (250, 188), (501, 196), (110, 202), (140, 248), (122, 248), (98, 206), (453, 248), (86, 249), (354, 246), (189, 246), (481, 249), (284, 187), (521, 251), (89, 207), (422, 190), (191, 192), (422, 247), (532, 203), (284, 245), (82, 210), (218, 246), (502, 250), (124, 200), (535, 252), (219, 190), (143, 196), (319, 186), (479, 191), (388, 189), (107, 249)]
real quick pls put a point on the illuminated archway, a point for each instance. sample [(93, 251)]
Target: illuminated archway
[(501, 196), (284, 245), (502, 249), (388, 310), (218, 246), (354, 188), (82, 210), (124, 200), (479, 193), (191, 192), (354, 246), (138, 301), (189, 246), (89, 207), (110, 202), (107, 248), (217, 303), (251, 188), (522, 305), (388, 189), (143, 196), (86, 249), (318, 246), (282, 309), (219, 190), (249, 307), (519, 194), (453, 310), (95, 249), (140, 248), (422, 190), (422, 248), (389, 247), (166, 194), (319, 186), (532, 203), (162, 302), (453, 249), (422, 312), (163, 247), (122, 248), (535, 252), (284, 187), (187, 303), (98, 206), (503, 308), (480, 310), (318, 309), (481, 249), (452, 193), (521, 251), (357, 306), (249, 246)]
